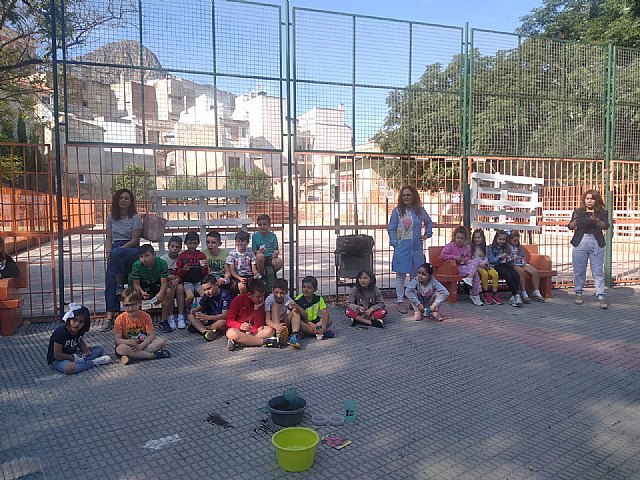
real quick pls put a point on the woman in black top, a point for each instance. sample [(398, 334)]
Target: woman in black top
[(588, 222), (8, 268)]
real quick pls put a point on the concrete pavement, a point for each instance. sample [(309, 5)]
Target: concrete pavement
[(546, 391)]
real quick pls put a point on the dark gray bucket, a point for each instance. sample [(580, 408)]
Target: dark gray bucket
[(282, 415)]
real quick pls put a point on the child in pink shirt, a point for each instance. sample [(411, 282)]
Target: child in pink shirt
[(458, 250)]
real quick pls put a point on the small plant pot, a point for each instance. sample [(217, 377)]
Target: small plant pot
[(282, 413)]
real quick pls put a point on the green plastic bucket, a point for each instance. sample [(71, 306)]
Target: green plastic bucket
[(295, 448)]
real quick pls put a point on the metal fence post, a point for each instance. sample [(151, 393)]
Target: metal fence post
[(466, 130), (608, 152), (56, 141)]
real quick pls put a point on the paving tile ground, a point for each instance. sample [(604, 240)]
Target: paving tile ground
[(547, 391)]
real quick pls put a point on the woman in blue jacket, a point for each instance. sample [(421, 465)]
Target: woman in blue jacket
[(406, 237)]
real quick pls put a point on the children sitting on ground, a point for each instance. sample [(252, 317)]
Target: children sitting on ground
[(500, 259), (241, 263), (479, 251), (217, 258), (264, 244), (150, 276), (192, 268), (426, 294), (175, 289), (246, 319), (311, 310), (522, 267), (278, 312), (467, 264), (135, 336), (68, 352), (365, 304), (210, 316)]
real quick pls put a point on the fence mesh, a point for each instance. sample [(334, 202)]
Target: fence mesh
[(537, 97), (195, 96)]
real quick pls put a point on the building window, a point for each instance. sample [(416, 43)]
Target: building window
[(234, 162), (82, 178), (85, 103)]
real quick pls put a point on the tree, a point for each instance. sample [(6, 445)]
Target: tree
[(600, 21), (186, 183), (256, 180), (137, 179), (26, 47)]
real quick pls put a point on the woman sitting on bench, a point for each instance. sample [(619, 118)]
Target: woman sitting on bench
[(124, 227)]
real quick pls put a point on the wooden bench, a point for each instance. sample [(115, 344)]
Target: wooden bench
[(446, 271), (11, 301), (174, 205)]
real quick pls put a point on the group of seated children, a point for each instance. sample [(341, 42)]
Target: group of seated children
[(249, 320), (504, 258), (178, 276)]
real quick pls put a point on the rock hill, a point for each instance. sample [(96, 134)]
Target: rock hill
[(122, 52)]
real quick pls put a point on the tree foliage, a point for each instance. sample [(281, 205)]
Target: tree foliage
[(599, 21), (27, 46), (137, 179), (186, 183), (256, 180)]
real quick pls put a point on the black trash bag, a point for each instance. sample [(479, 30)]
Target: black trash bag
[(354, 244)]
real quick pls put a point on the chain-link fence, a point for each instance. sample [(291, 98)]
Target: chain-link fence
[(335, 112)]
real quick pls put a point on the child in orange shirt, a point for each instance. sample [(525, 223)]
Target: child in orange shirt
[(134, 333)]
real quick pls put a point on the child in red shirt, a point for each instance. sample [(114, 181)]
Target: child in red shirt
[(246, 319), (192, 266)]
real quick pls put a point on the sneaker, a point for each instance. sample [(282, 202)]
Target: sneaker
[(525, 298), (351, 322), (578, 299), (402, 308), (329, 334), (468, 281), (476, 300), (165, 327), (181, 323), (537, 296), (435, 316), (172, 322), (283, 336), (512, 301), (124, 360), (377, 323), (496, 298), (109, 326), (103, 360), (603, 303), (230, 345), (294, 340), (518, 299), (271, 342), (209, 335), (161, 354), (488, 299)]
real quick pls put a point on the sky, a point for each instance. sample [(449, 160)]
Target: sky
[(501, 15), (387, 55)]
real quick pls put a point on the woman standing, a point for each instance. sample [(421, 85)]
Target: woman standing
[(588, 222), (406, 237), (124, 227)]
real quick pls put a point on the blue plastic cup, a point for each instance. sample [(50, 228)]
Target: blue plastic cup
[(350, 411)]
